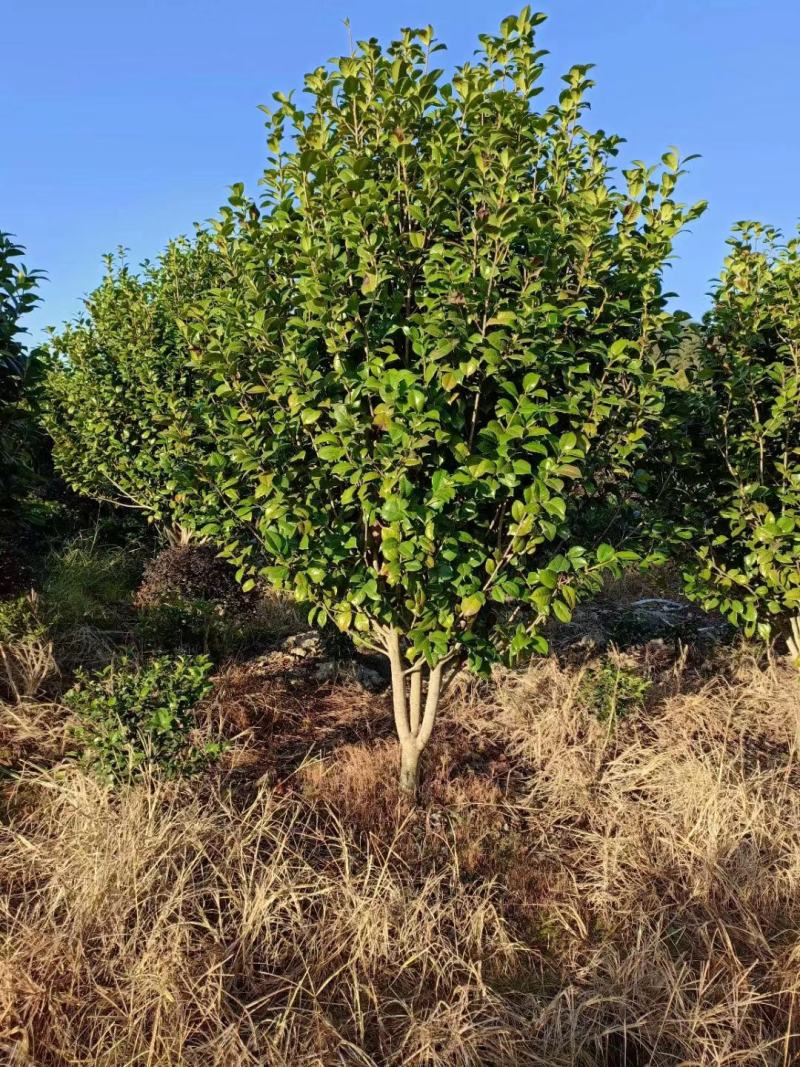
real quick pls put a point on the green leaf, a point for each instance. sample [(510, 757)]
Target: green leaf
[(605, 553), (472, 604)]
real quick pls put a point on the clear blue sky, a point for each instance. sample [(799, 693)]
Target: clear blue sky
[(124, 121)]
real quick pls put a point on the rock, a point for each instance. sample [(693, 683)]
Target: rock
[(597, 624), (656, 612), (326, 671), (309, 645), (349, 671), (308, 656), (593, 640)]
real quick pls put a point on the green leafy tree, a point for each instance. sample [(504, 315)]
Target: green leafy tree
[(120, 394), (18, 366), (436, 357), (737, 436)]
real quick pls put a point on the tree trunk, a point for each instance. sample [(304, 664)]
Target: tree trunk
[(415, 700), (409, 769)]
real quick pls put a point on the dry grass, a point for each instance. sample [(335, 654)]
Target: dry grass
[(25, 667), (571, 892)]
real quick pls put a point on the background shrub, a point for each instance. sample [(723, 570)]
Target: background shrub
[(19, 368), (192, 572), (189, 598), (120, 396), (736, 439)]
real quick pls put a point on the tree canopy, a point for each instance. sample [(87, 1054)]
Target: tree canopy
[(18, 364)]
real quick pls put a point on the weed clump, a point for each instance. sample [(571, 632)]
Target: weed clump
[(87, 583), (613, 691)]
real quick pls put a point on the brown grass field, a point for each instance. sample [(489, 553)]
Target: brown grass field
[(573, 889)]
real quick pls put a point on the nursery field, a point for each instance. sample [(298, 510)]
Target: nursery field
[(400, 608)]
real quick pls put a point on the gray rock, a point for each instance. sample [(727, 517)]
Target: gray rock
[(349, 671), (309, 645)]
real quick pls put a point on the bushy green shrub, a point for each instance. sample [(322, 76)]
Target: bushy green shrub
[(134, 716), (119, 395), (736, 439), (18, 370), (437, 357)]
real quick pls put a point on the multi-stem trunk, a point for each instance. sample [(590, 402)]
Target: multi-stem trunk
[(416, 689)]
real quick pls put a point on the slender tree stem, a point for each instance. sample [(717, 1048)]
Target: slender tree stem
[(398, 686), (415, 699), (431, 705)]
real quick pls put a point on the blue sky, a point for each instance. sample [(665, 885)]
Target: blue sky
[(126, 121)]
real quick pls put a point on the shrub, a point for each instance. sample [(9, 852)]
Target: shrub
[(118, 399), (189, 598), (436, 358), (18, 369), (133, 716), (192, 572), (740, 492)]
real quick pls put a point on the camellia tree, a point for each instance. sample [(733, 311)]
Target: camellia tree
[(120, 392), (435, 358), (738, 441)]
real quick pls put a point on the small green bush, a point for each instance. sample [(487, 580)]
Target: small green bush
[(613, 691), (133, 717)]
